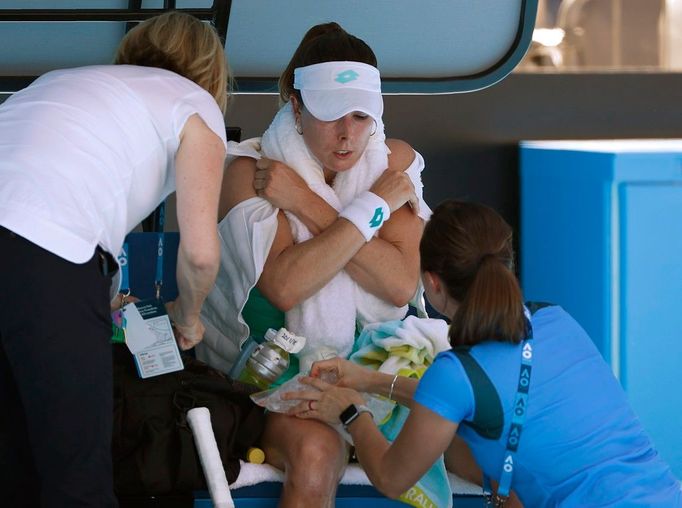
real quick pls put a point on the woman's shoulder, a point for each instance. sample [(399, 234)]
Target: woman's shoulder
[(402, 154), (237, 185), (446, 359)]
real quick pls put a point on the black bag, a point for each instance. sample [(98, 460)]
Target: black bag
[(153, 447)]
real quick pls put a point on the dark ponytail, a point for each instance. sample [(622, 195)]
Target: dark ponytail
[(326, 42), (468, 245)]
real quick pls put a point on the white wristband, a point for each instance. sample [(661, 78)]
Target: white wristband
[(367, 212)]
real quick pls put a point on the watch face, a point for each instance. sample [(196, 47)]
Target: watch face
[(348, 414)]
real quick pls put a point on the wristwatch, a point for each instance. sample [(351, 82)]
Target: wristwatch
[(349, 414)]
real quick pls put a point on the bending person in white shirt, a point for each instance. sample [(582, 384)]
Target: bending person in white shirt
[(86, 154)]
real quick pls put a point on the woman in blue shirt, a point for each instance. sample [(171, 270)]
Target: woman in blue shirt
[(524, 387)]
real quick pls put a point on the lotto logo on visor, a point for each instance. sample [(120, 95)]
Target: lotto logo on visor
[(346, 76), (331, 90)]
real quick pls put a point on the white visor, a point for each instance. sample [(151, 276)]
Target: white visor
[(331, 90)]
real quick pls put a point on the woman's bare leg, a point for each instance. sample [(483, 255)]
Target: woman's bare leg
[(313, 456)]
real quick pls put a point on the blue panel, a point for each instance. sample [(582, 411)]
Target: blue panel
[(565, 240), (651, 310), (650, 167), (601, 231), (266, 495), (463, 501)]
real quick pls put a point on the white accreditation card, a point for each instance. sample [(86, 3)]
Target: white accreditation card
[(155, 349)]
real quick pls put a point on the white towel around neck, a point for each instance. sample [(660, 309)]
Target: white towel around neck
[(328, 318)]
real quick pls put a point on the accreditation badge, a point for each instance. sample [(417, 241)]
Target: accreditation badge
[(149, 336)]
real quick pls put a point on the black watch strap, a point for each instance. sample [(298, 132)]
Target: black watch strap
[(349, 414)]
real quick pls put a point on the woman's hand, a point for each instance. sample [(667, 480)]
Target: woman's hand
[(188, 333), (395, 187), (324, 402), (342, 373), (279, 184)]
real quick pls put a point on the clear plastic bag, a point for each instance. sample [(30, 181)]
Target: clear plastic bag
[(271, 399)]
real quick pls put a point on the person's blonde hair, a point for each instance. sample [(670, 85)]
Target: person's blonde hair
[(183, 44)]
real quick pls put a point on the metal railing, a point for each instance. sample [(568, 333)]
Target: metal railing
[(217, 14)]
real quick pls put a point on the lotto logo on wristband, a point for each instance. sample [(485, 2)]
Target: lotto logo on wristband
[(377, 219), (366, 205)]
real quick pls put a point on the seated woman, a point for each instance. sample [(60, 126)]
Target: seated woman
[(321, 234), (524, 387)]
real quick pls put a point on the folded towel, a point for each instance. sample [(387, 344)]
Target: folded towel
[(407, 348), (253, 474), (404, 347)]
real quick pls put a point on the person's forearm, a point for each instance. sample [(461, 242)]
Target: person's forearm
[(302, 269), (388, 266), (196, 273), (403, 387), (379, 267), (315, 213), (383, 270), (371, 448)]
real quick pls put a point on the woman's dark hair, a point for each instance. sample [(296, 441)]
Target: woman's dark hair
[(469, 246), (327, 42)]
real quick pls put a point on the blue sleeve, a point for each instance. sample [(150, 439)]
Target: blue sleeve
[(445, 389)]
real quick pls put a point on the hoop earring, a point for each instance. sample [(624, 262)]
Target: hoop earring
[(375, 128), (298, 129)]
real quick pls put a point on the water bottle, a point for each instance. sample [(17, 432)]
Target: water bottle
[(270, 359)]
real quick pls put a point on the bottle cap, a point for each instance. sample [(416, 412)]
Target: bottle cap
[(255, 455)]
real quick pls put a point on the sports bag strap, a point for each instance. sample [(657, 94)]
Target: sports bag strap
[(488, 420)]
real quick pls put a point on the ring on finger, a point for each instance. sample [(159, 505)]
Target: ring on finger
[(310, 405)]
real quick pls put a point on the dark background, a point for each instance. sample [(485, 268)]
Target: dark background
[(470, 141)]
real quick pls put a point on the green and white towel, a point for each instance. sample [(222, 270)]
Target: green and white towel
[(407, 348)]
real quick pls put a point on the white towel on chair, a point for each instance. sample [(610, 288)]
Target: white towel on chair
[(253, 474)]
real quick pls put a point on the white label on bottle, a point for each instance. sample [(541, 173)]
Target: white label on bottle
[(288, 341)]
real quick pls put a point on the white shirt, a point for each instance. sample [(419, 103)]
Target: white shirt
[(88, 153)]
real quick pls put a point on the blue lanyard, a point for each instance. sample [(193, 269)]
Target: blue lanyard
[(518, 417), (125, 270), (158, 282), (123, 263)]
